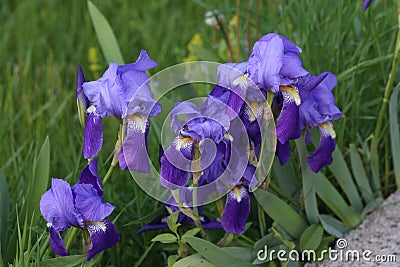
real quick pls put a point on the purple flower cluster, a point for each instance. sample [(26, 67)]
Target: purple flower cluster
[(300, 100), (79, 206), (123, 92)]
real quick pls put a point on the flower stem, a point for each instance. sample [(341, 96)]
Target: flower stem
[(108, 174), (239, 56), (383, 112), (71, 237)]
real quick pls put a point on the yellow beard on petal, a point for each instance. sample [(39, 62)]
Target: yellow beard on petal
[(292, 92), (241, 81), (185, 142), (328, 128), (137, 123), (98, 225)]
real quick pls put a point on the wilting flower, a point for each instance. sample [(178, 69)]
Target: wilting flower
[(123, 92), (79, 206), (366, 4)]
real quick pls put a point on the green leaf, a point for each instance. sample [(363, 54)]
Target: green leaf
[(64, 261), (4, 211), (333, 226), (105, 35), (172, 259), (311, 238), (195, 260), (172, 220), (342, 175), (394, 133), (40, 180), (281, 213), (359, 175), (371, 206), (333, 199), (310, 199), (165, 238), (192, 232), (214, 254)]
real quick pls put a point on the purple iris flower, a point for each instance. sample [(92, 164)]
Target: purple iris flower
[(207, 122), (366, 4), (79, 206), (123, 92)]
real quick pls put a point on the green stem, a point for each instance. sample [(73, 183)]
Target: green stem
[(71, 237), (382, 114), (108, 174), (261, 220)]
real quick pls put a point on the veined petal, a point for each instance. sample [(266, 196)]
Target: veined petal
[(236, 210), (134, 148), (288, 125), (57, 206), (103, 235), (56, 242), (292, 66), (89, 204), (89, 175), (93, 136), (322, 156)]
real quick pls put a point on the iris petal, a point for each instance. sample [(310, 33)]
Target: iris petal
[(89, 204), (103, 235), (93, 136), (57, 206), (288, 125), (283, 152), (236, 210), (322, 156), (56, 242), (89, 176)]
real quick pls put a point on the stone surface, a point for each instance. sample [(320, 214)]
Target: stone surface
[(379, 233)]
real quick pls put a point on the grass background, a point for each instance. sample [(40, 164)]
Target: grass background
[(41, 43)]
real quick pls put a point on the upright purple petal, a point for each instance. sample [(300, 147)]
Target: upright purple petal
[(266, 61), (93, 136), (237, 210), (143, 63), (322, 156), (89, 204), (57, 206), (89, 175), (103, 235), (56, 242), (292, 66)]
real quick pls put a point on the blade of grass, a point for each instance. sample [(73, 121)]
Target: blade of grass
[(360, 175), (105, 34), (4, 211)]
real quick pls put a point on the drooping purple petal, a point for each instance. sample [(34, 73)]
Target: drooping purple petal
[(322, 156), (93, 136), (170, 175), (366, 4), (237, 210), (89, 204), (57, 206), (103, 235), (288, 125), (89, 175), (134, 148), (56, 242), (283, 152)]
